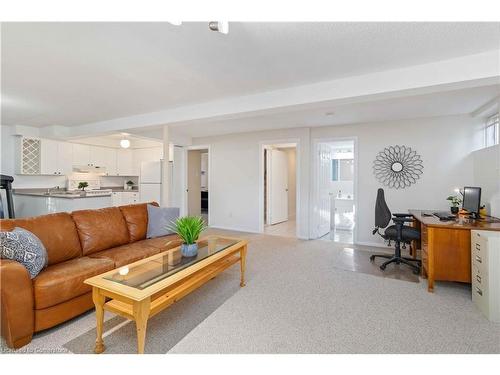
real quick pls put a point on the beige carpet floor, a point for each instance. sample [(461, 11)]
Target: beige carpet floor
[(301, 297)]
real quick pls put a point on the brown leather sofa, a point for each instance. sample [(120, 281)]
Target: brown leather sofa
[(80, 244)]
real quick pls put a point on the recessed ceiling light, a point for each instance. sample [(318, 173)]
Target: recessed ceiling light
[(125, 143), (175, 23), (331, 113)]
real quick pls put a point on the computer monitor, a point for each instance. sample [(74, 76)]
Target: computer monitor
[(472, 200)]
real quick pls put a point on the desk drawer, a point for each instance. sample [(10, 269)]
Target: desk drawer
[(480, 298), (479, 255), (479, 278)]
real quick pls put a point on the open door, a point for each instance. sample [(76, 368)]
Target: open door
[(323, 189), (277, 186)]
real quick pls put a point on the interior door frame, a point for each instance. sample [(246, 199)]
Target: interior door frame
[(274, 142), (314, 193), (209, 179)]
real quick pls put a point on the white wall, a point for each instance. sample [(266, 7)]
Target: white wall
[(487, 176), (445, 145), (235, 177)]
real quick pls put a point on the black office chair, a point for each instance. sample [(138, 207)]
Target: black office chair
[(398, 232)]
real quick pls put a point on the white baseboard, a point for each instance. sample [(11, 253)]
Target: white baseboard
[(236, 229), (371, 244)]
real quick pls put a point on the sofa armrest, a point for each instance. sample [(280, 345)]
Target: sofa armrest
[(16, 299)]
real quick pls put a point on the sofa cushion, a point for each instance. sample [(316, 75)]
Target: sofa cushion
[(56, 231), (129, 253), (64, 281), (100, 229), (24, 247), (136, 217), (159, 220)]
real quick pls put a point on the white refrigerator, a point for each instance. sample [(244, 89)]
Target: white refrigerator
[(150, 181), (151, 176)]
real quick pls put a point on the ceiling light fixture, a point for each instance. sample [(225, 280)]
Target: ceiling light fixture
[(329, 113), (175, 23), (125, 143), (220, 26)]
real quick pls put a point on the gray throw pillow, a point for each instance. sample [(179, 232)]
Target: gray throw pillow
[(159, 218), (24, 247)]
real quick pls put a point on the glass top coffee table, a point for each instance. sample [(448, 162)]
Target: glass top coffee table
[(142, 289)]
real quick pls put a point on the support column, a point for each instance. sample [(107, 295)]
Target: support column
[(166, 174)]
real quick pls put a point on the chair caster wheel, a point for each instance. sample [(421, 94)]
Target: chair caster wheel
[(382, 267)]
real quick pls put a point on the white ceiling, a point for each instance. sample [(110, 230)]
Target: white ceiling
[(77, 73), (113, 140), (454, 102)]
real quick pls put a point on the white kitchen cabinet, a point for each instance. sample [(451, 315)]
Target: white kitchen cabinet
[(116, 198), (48, 157), (65, 157), (124, 163), (81, 155), (28, 155), (104, 157), (55, 158), (27, 206), (121, 198)]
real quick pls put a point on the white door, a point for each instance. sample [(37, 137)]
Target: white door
[(323, 191), (277, 186), (176, 186)]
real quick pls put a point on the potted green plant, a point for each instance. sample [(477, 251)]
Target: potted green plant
[(188, 228), (455, 203), (82, 185)]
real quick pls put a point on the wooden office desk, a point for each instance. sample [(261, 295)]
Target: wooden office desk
[(445, 246)]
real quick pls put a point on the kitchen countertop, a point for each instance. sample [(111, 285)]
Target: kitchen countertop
[(117, 189), (61, 193)]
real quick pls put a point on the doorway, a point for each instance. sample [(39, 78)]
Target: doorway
[(198, 183), (280, 189), (335, 186)]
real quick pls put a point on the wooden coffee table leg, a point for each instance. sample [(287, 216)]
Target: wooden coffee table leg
[(141, 315), (99, 301), (243, 257)]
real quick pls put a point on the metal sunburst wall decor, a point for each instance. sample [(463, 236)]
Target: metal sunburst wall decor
[(398, 166)]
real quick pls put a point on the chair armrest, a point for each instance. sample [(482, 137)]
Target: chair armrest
[(16, 299), (402, 215), (402, 220)]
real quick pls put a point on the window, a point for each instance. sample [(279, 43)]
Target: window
[(491, 131), (335, 169)]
